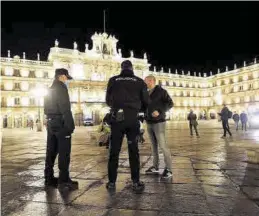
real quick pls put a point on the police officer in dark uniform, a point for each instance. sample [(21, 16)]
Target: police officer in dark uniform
[(60, 126), (126, 95)]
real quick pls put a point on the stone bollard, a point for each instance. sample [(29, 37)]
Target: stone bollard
[(253, 156)]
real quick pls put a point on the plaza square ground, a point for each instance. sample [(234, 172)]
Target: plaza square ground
[(211, 176)]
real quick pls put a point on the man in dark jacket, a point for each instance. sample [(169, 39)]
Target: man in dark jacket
[(243, 118), (60, 126), (224, 114), (192, 118), (126, 95), (160, 103), (236, 120)]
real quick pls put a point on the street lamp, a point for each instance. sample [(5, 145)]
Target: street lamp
[(39, 93)]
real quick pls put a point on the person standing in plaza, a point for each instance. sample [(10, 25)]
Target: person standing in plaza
[(126, 95), (225, 114), (60, 126), (31, 124), (160, 103), (244, 119), (192, 118), (236, 120)]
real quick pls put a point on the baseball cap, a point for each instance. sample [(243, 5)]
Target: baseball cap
[(62, 71)]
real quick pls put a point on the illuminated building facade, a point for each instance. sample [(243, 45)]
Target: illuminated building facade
[(23, 83)]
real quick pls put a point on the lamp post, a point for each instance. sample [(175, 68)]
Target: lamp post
[(39, 93)]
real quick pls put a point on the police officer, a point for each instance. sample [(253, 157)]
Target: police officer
[(126, 95), (60, 126)]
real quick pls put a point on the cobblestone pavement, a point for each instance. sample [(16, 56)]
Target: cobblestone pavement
[(211, 176)]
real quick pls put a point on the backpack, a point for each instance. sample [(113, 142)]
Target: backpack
[(230, 114)]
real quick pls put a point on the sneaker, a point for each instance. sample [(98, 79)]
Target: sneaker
[(110, 186), (53, 182), (152, 170), (138, 186), (223, 137), (70, 185), (167, 174)]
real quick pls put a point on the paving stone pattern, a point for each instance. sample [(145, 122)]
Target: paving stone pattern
[(211, 176)]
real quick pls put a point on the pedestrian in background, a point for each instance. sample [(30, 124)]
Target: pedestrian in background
[(236, 120), (192, 118)]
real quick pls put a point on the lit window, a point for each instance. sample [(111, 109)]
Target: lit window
[(77, 71)]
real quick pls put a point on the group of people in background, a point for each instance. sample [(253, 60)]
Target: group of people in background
[(225, 115), (242, 118)]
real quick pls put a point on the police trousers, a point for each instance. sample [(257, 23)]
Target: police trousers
[(58, 143), (118, 130)]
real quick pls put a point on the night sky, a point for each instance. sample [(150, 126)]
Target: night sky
[(195, 36)]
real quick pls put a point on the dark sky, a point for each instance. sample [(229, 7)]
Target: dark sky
[(196, 36)]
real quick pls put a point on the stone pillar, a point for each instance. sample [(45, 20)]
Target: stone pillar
[(79, 109), (1, 121), (96, 116), (24, 122), (10, 121)]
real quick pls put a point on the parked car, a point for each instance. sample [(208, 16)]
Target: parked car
[(88, 122)]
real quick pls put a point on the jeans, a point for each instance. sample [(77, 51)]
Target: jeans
[(236, 124), (195, 128), (226, 127), (243, 125), (157, 136)]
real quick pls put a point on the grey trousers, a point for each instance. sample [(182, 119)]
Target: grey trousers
[(157, 136)]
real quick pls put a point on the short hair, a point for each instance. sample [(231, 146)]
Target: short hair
[(126, 65), (151, 77)]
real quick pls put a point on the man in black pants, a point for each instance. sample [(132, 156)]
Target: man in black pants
[(60, 126), (224, 118), (127, 95)]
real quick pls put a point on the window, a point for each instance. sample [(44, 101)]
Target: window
[(32, 101), (17, 86), (77, 71), (251, 86), (8, 71), (45, 75), (240, 88), (2, 71), (16, 72), (17, 101), (31, 74)]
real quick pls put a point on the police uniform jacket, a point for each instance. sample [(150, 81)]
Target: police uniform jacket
[(127, 91), (57, 105)]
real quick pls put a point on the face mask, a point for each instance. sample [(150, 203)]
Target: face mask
[(67, 83)]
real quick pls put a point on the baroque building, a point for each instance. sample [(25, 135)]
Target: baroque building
[(24, 83)]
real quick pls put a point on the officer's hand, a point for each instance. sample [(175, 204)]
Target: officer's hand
[(155, 114)]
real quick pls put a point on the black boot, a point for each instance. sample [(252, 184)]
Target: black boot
[(53, 182), (110, 186), (69, 185), (138, 187)]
